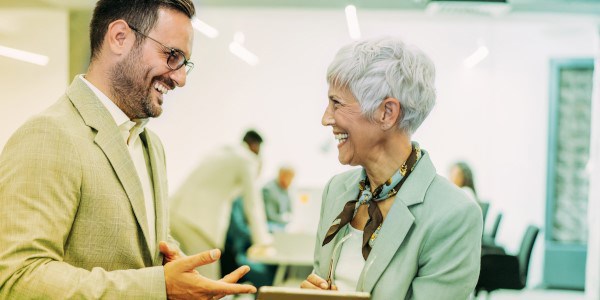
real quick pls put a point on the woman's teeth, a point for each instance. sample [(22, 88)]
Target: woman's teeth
[(341, 137)]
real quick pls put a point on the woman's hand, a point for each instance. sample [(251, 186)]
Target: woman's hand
[(317, 283)]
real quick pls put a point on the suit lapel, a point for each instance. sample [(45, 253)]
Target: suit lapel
[(158, 171), (397, 223), (109, 139), (349, 192)]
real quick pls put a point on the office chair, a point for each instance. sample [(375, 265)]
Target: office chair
[(485, 207), (503, 271), (489, 239), (494, 231)]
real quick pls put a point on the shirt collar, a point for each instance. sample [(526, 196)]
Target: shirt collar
[(130, 129)]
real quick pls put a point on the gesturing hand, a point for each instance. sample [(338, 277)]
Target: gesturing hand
[(169, 254), (184, 282)]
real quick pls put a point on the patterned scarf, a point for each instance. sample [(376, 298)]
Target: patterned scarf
[(389, 189)]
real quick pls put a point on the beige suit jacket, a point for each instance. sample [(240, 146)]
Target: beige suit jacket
[(73, 221), (430, 241)]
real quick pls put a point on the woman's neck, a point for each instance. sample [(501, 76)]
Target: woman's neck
[(386, 163)]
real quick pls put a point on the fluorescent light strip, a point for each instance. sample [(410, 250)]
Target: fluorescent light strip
[(243, 53), (204, 28), (479, 55), (352, 20), (25, 56)]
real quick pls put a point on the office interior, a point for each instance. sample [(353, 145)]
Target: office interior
[(496, 104)]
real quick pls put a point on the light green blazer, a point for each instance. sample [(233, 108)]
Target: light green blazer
[(429, 244), (72, 218)]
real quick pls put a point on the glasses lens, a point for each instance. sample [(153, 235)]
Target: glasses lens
[(175, 60)]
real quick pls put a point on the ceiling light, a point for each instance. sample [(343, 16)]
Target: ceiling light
[(478, 56), (204, 28), (240, 51), (25, 56), (352, 20)]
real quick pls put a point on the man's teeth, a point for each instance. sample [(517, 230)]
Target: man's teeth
[(161, 88), (341, 137)]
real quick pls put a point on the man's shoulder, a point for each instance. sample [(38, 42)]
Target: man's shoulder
[(60, 115)]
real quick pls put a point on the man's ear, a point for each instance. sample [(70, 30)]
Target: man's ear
[(119, 38), (390, 113)]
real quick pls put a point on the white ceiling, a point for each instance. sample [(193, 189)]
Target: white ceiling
[(566, 6)]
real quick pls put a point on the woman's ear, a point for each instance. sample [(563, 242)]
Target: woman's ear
[(391, 113)]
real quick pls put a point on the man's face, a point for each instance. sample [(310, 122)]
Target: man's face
[(140, 81)]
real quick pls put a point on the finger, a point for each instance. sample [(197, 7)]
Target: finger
[(224, 288), (234, 276), (165, 249), (191, 262), (317, 281), (307, 285), (334, 287)]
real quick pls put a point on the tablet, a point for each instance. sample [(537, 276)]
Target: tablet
[(287, 293)]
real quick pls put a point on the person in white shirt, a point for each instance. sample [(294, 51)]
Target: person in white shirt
[(201, 208)]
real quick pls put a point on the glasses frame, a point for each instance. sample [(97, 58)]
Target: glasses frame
[(332, 263), (172, 53)]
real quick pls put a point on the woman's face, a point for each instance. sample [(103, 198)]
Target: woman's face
[(456, 176), (357, 136)]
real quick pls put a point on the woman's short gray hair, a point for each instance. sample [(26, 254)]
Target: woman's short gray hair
[(376, 69)]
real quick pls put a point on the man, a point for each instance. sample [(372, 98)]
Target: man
[(83, 185), (201, 208), (278, 205)]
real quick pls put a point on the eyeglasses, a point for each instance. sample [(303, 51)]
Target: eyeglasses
[(336, 248), (176, 58)]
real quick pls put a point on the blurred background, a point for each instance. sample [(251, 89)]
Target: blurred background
[(517, 100)]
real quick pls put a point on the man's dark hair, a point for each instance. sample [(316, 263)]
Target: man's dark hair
[(142, 14), (252, 137)]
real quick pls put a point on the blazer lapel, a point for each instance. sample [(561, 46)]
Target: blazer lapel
[(397, 223), (349, 192), (158, 174), (108, 138)]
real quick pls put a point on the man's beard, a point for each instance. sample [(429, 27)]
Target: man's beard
[(130, 89)]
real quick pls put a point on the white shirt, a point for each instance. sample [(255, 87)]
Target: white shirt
[(350, 263), (139, 155)]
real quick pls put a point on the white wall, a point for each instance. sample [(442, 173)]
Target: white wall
[(495, 115), (28, 88)]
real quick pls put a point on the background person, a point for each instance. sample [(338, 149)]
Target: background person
[(83, 184), (410, 233), (201, 208), (278, 205), (462, 175), (237, 243)]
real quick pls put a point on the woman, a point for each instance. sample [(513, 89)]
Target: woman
[(412, 234), (462, 176)]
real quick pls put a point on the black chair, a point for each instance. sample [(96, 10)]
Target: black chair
[(494, 231), (489, 240), (503, 271), (485, 207)]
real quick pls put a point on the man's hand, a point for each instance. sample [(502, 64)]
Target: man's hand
[(169, 254), (184, 282)]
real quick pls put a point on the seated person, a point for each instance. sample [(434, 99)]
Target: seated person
[(278, 205), (462, 176), (392, 227), (237, 242)]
